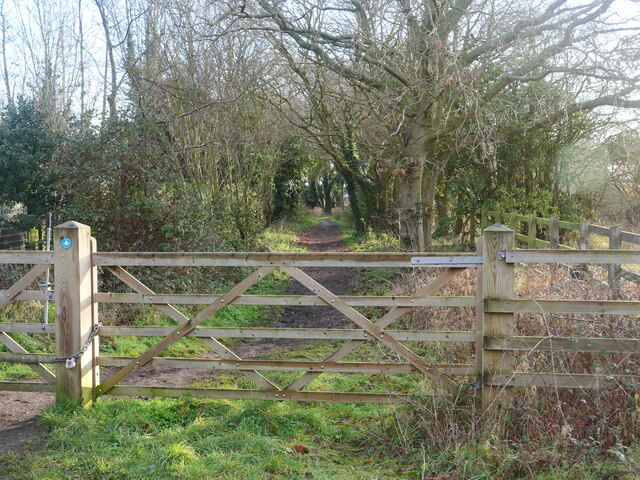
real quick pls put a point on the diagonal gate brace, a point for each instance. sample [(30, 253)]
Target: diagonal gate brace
[(30, 277), (39, 368), (26, 280), (173, 313), (383, 322), (364, 323)]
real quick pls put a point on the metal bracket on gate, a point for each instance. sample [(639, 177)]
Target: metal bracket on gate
[(446, 260), (48, 288)]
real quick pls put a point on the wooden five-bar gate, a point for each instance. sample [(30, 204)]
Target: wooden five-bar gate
[(77, 358)]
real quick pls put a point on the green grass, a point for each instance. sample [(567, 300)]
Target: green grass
[(189, 438), (282, 236), (366, 242)]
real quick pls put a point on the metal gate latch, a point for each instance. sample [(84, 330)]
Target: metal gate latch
[(447, 260)]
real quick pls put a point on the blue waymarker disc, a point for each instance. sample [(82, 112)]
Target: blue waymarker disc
[(66, 242)]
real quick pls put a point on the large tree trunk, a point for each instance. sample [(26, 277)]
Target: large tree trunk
[(370, 211), (352, 193), (411, 227), (326, 192), (340, 194), (429, 184)]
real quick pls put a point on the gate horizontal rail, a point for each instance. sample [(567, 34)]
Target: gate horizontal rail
[(563, 380), (293, 333), (27, 387), (298, 259), (238, 332), (276, 395), (288, 365), (303, 300), (26, 257)]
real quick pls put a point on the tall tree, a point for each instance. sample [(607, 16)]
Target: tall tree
[(27, 146)]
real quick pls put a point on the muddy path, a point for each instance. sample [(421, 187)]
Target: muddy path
[(19, 410), (324, 237)]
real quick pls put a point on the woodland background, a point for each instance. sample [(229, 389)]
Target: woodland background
[(195, 124)]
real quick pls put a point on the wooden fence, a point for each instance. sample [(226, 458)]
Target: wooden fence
[(77, 358), (555, 228), (12, 239)]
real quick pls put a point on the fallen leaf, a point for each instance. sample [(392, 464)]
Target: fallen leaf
[(299, 448)]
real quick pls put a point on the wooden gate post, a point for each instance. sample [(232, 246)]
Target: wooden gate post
[(497, 283), (76, 312)]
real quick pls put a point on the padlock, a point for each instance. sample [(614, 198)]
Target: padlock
[(70, 363)]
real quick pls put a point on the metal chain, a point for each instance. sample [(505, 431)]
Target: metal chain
[(84, 348)]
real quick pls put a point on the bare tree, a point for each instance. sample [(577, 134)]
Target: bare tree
[(111, 85), (5, 68), (443, 69)]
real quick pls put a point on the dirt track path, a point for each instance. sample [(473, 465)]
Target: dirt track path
[(19, 410)]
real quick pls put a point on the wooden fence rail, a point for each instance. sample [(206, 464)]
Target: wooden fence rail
[(77, 358)]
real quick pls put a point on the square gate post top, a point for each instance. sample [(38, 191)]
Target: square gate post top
[(72, 225), (498, 227)]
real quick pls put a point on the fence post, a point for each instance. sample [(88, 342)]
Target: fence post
[(479, 309), (585, 236), (532, 231), (615, 243), (76, 312), (514, 223), (497, 283), (554, 232)]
